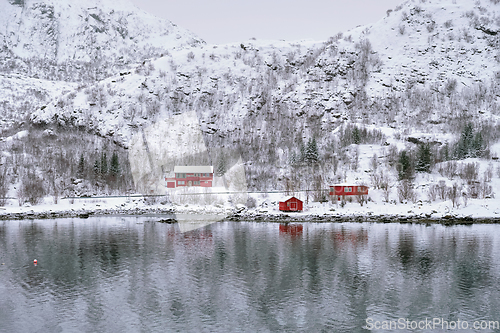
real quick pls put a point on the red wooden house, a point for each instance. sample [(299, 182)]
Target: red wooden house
[(202, 176), (291, 205), (348, 189)]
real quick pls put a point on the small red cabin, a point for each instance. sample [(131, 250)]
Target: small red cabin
[(291, 205), (348, 190)]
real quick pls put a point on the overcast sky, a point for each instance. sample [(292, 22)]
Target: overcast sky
[(224, 21)]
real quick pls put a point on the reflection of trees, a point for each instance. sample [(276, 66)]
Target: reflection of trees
[(406, 250), (448, 253), (471, 276), (250, 275), (415, 260), (472, 272)]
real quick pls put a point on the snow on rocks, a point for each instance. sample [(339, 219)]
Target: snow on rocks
[(477, 211)]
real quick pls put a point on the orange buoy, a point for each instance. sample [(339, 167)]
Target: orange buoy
[(35, 261)]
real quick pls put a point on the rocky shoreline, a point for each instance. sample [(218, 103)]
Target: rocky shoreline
[(384, 218), (32, 215), (250, 216)]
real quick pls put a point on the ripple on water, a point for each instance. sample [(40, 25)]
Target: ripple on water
[(246, 277)]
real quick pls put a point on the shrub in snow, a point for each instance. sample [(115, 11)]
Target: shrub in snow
[(406, 192), (449, 169), (251, 202), (32, 189), (469, 172), (432, 193), (454, 194), (4, 186)]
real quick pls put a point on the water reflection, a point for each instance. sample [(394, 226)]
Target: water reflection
[(291, 229), (133, 274)]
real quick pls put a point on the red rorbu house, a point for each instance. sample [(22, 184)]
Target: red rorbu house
[(291, 205), (348, 189), (202, 176)]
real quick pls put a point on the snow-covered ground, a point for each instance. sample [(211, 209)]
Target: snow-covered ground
[(475, 208), (266, 205)]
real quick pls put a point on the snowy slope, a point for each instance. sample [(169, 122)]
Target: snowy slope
[(425, 61), (21, 95), (201, 80), (47, 45), (430, 42)]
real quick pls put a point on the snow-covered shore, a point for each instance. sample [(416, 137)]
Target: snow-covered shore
[(477, 211)]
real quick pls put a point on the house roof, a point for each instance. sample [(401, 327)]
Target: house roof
[(346, 184), (193, 169)]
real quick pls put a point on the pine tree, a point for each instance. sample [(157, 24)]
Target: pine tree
[(477, 147), (465, 144), (302, 157), (114, 167), (424, 158), (221, 166), (311, 154), (97, 169), (104, 164), (293, 158), (444, 152), (356, 137), (81, 167), (405, 168)]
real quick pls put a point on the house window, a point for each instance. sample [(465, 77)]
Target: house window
[(180, 182), (180, 175), (361, 189), (347, 189), (196, 182)]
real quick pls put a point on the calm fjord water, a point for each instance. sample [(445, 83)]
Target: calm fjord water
[(132, 274)]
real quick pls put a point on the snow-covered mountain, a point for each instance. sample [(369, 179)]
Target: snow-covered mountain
[(420, 74), (427, 61)]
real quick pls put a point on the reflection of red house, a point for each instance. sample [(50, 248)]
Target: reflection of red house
[(291, 229), (348, 190), (346, 237), (291, 205), (202, 176)]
